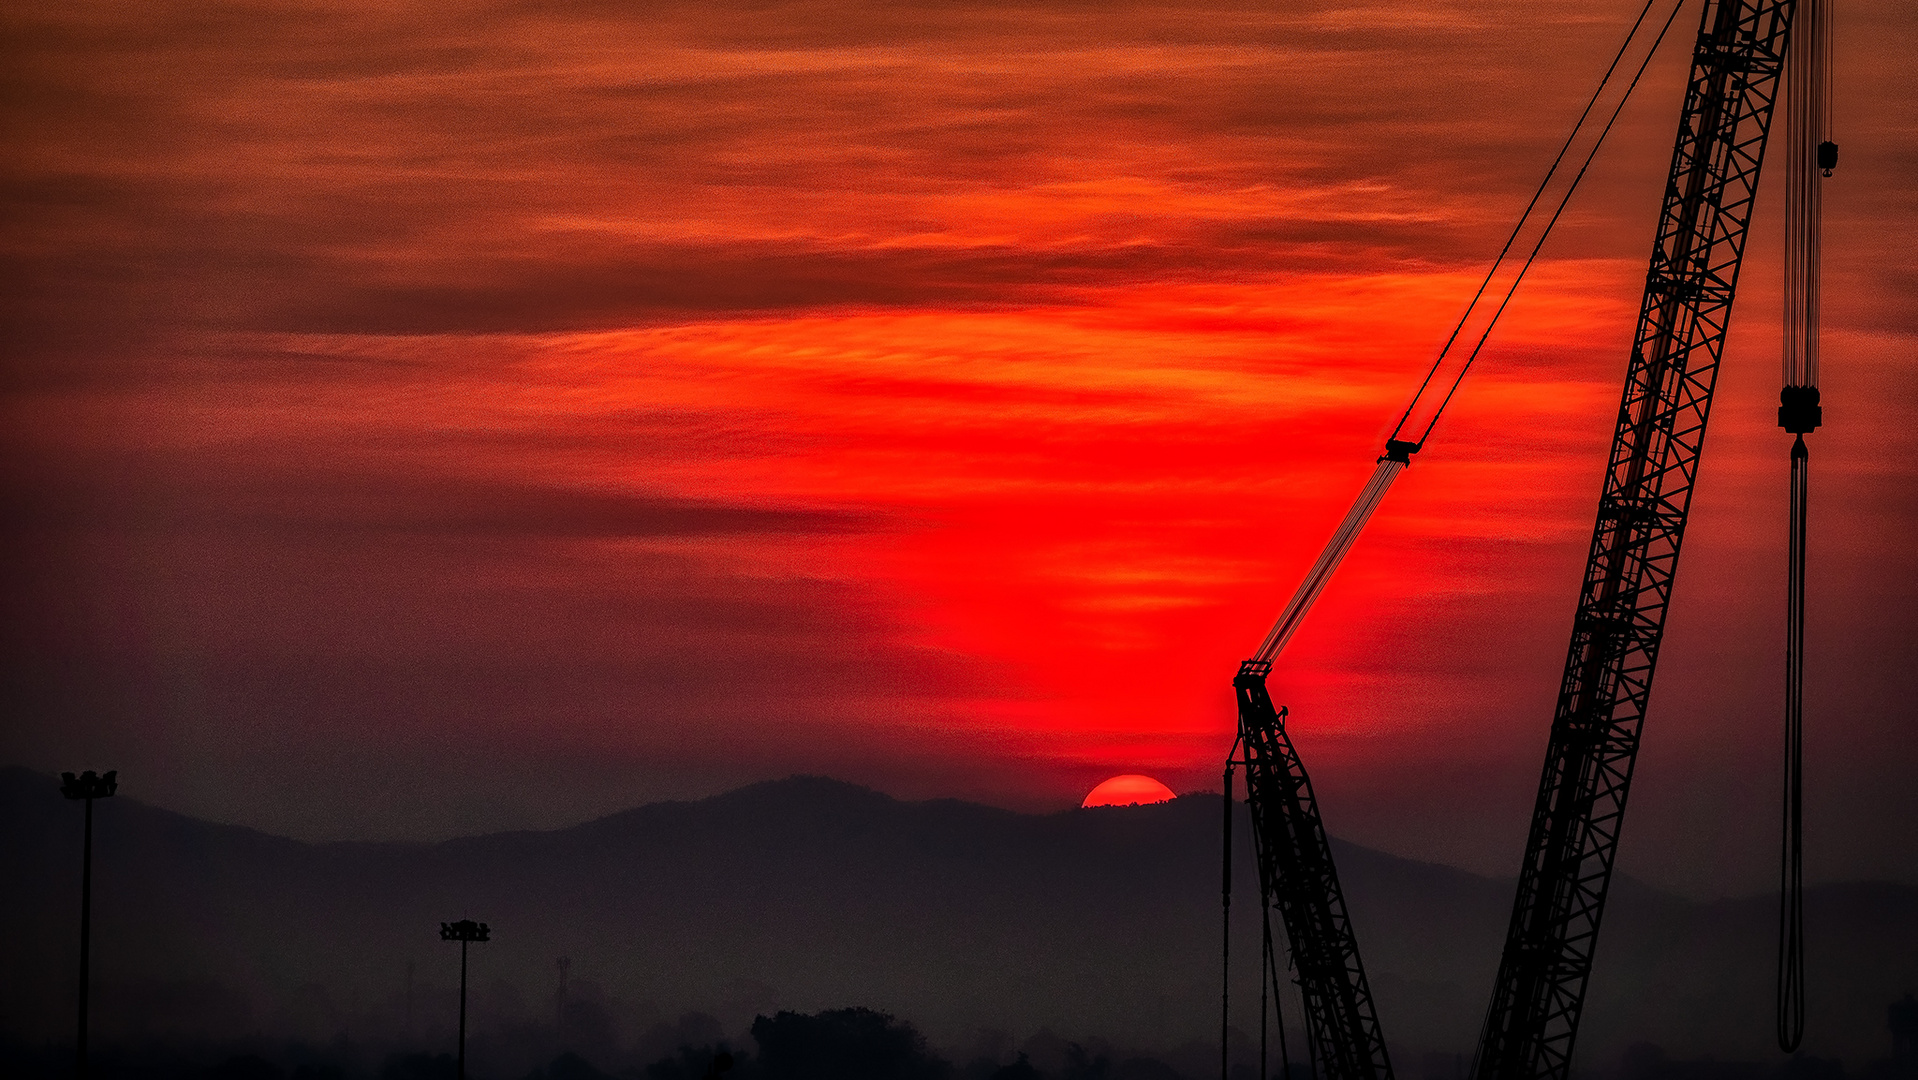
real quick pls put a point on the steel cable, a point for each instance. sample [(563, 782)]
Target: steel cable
[(1551, 223), (1225, 919), (1389, 468), (1334, 553), (1808, 154), (1791, 886), (1526, 215), (1278, 997)]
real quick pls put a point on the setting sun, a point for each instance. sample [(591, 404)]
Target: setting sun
[(1128, 790)]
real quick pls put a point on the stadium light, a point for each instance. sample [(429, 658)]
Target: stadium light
[(87, 786), (465, 931)]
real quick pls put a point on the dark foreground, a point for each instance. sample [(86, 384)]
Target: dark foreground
[(679, 924), (844, 1044)]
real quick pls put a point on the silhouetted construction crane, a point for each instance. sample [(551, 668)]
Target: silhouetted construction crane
[(1699, 245)]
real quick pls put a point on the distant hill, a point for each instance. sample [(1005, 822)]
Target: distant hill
[(809, 893)]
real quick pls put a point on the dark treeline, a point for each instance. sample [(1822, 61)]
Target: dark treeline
[(836, 1044), (845, 1044)]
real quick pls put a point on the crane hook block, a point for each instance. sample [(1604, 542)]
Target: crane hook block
[(1400, 451), (1798, 409), (1827, 156)]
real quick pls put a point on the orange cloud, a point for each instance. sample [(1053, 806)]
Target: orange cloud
[(944, 397)]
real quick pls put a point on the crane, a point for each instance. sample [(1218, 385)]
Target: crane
[(1642, 512), (1295, 868), (1539, 992)]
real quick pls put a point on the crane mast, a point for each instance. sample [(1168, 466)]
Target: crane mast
[(1540, 989)]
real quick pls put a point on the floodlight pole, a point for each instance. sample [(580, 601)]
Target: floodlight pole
[(87, 787), (464, 931), (565, 964)]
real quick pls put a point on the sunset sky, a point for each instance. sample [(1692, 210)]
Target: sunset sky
[(457, 416)]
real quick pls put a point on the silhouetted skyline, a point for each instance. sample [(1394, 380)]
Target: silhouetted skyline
[(806, 894)]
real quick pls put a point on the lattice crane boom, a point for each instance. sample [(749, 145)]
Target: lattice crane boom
[(1620, 621)]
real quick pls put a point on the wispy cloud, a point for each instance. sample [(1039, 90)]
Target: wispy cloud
[(943, 395)]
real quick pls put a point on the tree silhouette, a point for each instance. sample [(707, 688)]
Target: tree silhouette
[(698, 1063), (1083, 1065), (417, 1066), (843, 1044)]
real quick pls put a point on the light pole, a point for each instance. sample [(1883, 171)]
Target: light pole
[(565, 964), (464, 931), (88, 786)]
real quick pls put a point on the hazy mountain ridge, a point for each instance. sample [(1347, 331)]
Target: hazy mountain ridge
[(809, 893)]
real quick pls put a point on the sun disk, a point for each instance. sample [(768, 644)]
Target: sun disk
[(1128, 790)]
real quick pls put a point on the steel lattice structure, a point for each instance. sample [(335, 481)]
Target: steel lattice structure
[(1296, 876), (1540, 990)]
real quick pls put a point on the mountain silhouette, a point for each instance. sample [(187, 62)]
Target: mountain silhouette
[(807, 894)]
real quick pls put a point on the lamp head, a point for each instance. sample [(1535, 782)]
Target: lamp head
[(89, 784), (465, 930)]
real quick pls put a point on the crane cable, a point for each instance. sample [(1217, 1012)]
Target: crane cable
[(1278, 1001), (1810, 154), (1225, 904), (1269, 973), (1570, 190), (1398, 453)]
